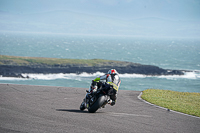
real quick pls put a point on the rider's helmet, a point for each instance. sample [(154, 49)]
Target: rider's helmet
[(112, 71)]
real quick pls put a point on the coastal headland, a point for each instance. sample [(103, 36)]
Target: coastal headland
[(14, 66)]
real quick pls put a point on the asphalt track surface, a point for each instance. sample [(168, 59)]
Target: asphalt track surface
[(40, 109)]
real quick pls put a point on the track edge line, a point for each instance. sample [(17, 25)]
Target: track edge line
[(139, 97)]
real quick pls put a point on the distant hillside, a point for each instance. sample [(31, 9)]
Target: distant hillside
[(69, 22)]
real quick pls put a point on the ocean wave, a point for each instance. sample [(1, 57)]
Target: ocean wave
[(61, 76), (187, 75), (74, 76)]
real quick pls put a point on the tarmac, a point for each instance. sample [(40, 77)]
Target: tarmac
[(40, 109)]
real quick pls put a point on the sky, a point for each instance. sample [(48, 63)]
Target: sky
[(139, 15), (179, 9)]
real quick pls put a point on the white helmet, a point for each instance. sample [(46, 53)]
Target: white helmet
[(112, 71)]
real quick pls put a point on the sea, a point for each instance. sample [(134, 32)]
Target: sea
[(167, 53)]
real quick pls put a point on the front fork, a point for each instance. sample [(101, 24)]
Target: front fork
[(86, 100)]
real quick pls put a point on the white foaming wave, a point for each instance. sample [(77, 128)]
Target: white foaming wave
[(84, 74), (126, 75), (62, 76), (43, 76), (187, 75)]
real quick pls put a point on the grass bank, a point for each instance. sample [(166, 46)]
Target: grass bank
[(24, 61), (184, 102)]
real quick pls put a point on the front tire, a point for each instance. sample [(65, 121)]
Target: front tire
[(98, 103), (82, 106)]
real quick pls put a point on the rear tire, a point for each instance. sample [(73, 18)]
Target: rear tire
[(99, 102)]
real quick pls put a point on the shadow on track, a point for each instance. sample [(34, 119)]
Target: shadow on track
[(76, 111), (72, 110)]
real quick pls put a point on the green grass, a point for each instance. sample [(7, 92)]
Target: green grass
[(23, 61), (184, 102)]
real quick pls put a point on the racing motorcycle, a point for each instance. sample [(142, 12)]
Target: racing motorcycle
[(95, 98)]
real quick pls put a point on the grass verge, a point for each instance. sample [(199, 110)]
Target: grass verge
[(24, 61), (185, 102)]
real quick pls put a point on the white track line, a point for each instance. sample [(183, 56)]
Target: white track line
[(127, 114)]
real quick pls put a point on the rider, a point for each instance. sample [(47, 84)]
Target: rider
[(112, 84)]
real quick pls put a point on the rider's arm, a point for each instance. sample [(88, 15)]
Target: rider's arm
[(101, 78), (97, 79)]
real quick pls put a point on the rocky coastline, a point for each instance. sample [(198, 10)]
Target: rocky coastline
[(15, 66), (129, 68)]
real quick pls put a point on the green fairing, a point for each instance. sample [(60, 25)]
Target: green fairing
[(97, 79)]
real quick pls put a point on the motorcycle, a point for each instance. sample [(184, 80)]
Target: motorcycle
[(95, 98)]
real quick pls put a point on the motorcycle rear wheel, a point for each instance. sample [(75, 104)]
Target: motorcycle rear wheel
[(98, 103)]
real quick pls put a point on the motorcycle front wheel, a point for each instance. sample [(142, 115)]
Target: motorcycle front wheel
[(82, 106), (98, 103)]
